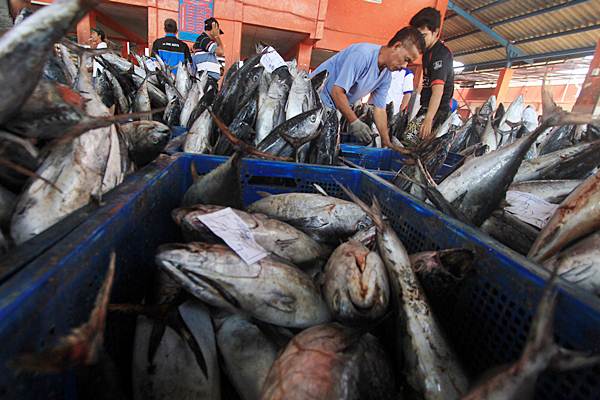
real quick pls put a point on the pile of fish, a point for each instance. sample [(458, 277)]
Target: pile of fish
[(279, 113), (64, 139), (309, 320), (559, 224)]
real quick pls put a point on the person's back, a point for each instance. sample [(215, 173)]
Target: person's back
[(169, 48)]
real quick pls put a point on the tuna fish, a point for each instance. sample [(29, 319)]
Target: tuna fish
[(553, 191), (269, 290), (32, 41), (300, 99), (510, 231), (431, 367), (579, 263), (325, 149), (330, 362), (146, 140), (174, 372), (80, 169), (271, 111), (574, 162), (221, 186), (326, 219), (577, 216), (247, 352), (275, 236), (355, 284)]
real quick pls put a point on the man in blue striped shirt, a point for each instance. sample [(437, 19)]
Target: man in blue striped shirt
[(207, 48)]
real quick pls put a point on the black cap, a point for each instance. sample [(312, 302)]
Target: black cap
[(208, 24), (100, 33)]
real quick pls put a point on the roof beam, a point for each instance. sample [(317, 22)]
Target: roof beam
[(532, 39), (516, 18), (511, 51), (571, 53), (481, 8)]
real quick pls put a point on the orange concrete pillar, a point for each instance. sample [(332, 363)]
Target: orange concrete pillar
[(589, 98), (304, 54), (84, 28), (501, 91), (153, 32)]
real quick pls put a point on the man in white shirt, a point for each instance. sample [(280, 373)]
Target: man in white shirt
[(400, 89), (97, 41)]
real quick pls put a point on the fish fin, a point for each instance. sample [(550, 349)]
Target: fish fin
[(156, 335), (308, 222), (549, 107), (566, 360), (282, 302), (82, 346), (264, 194), (194, 172), (218, 288), (176, 322), (320, 190), (371, 212)]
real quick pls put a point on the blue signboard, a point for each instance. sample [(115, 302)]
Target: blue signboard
[(192, 14)]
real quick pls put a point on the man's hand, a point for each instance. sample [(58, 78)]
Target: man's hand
[(361, 131), (215, 31), (426, 128)]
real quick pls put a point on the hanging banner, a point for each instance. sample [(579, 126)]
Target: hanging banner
[(192, 14)]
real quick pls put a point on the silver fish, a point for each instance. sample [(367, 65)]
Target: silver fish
[(579, 263), (271, 111), (480, 184), (431, 367), (574, 162), (511, 122), (78, 168), (275, 236), (300, 98), (221, 186), (553, 191), (577, 216), (488, 137), (33, 40), (145, 140), (326, 219), (510, 231), (194, 96), (247, 353), (174, 372), (355, 284), (141, 101), (268, 290), (198, 138), (183, 80)]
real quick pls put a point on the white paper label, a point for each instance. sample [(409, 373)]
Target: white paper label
[(232, 229), (272, 60), (529, 208), (150, 65)]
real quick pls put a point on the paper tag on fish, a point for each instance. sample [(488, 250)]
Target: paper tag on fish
[(529, 208), (228, 226), (150, 64), (272, 60)]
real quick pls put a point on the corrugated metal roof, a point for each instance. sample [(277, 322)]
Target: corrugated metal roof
[(566, 25)]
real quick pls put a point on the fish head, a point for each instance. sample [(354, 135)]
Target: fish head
[(153, 132)]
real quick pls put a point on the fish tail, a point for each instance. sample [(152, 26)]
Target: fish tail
[(374, 212)]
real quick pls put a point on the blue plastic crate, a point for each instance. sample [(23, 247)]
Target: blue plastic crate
[(487, 321), (388, 160)]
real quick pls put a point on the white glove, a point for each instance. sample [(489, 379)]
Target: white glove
[(361, 131)]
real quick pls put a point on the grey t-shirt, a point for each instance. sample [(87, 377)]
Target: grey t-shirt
[(6, 21)]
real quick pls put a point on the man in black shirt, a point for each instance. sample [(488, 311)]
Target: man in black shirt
[(170, 49), (438, 72)]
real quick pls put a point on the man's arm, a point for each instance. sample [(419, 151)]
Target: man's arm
[(381, 122), (434, 104), (216, 36), (338, 95), (405, 100), (154, 49)]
